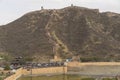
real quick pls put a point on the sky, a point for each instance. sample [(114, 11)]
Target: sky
[(10, 10)]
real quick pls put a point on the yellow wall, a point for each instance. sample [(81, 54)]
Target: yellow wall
[(78, 64), (94, 68), (37, 71), (16, 75)]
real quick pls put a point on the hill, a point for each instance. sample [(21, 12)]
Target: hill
[(67, 32)]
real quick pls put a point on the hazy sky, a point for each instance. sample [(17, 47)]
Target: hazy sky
[(13, 9)]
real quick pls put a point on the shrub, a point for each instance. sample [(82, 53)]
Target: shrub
[(88, 79), (109, 79), (7, 67)]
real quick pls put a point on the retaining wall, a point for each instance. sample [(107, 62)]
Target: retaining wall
[(37, 71), (49, 70), (16, 75), (95, 68)]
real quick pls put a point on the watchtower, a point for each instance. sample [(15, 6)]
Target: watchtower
[(42, 8), (71, 5)]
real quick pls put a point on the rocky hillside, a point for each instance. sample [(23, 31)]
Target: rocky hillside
[(70, 31)]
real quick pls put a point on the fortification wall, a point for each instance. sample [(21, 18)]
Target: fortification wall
[(95, 68), (37, 71), (100, 68), (16, 75), (49, 70)]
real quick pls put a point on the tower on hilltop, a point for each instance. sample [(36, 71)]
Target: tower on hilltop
[(72, 5), (42, 8)]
